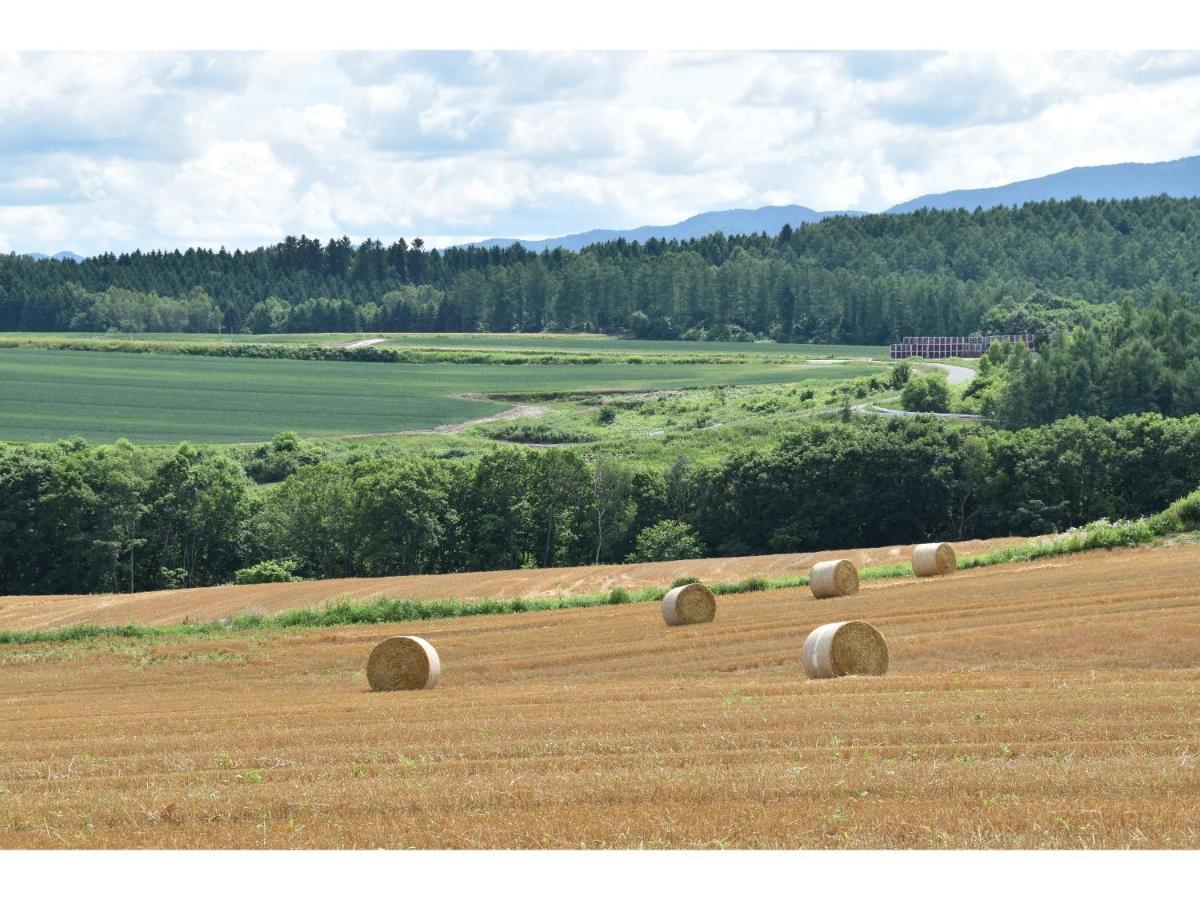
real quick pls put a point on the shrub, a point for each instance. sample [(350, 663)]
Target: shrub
[(745, 586), (1182, 515), (666, 540), (268, 571), (280, 458), (533, 433), (926, 393), (901, 372)]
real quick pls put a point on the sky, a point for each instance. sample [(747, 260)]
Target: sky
[(121, 150)]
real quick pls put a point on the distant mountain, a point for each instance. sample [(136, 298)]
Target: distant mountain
[(1122, 181), (729, 221), (62, 254)]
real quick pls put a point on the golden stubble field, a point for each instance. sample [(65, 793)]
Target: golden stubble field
[(208, 604), (1049, 704)]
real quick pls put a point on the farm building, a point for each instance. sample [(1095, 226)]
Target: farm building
[(964, 347)]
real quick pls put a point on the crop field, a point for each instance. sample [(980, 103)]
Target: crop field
[(180, 337), (159, 398), (588, 343), (604, 344), (1053, 704)]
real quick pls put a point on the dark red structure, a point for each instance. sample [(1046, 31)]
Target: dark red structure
[(963, 347)]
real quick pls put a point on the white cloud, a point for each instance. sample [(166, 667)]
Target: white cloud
[(233, 191), (116, 150)]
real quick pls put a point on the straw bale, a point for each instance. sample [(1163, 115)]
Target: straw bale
[(689, 604), (403, 664), (844, 648), (833, 578), (933, 559)]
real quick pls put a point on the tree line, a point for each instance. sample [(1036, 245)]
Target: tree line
[(866, 279), (1128, 361), (76, 517)]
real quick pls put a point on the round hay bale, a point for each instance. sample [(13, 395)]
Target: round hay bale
[(833, 578), (689, 604), (844, 648), (933, 559), (403, 664)]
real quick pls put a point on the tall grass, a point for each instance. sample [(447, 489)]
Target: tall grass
[(1181, 516)]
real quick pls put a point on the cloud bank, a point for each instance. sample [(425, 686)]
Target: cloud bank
[(112, 151)]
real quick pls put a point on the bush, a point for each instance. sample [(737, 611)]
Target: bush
[(277, 460), (666, 540), (926, 393), (266, 572), (745, 586), (533, 433), (901, 373), (1182, 515)]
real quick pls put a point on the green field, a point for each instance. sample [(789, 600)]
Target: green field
[(153, 398), (587, 343), (603, 344)]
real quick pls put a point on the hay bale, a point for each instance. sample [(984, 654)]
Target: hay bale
[(844, 648), (933, 559), (403, 664), (689, 604), (833, 578)]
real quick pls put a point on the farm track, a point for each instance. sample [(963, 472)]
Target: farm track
[(1052, 704), (210, 604)]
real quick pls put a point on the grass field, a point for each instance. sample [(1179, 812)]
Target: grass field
[(591, 343), (154, 398), (1036, 705)]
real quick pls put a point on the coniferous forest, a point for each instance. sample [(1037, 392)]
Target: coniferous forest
[(862, 280)]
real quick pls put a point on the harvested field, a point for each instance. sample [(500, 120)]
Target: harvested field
[(1048, 704), (210, 604)]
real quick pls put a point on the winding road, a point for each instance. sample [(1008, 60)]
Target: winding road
[(954, 375)]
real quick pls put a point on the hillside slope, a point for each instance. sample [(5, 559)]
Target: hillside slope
[(211, 603)]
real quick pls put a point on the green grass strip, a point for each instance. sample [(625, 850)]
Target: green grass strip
[(1181, 516), (383, 354)]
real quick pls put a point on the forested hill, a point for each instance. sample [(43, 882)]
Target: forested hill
[(866, 279)]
